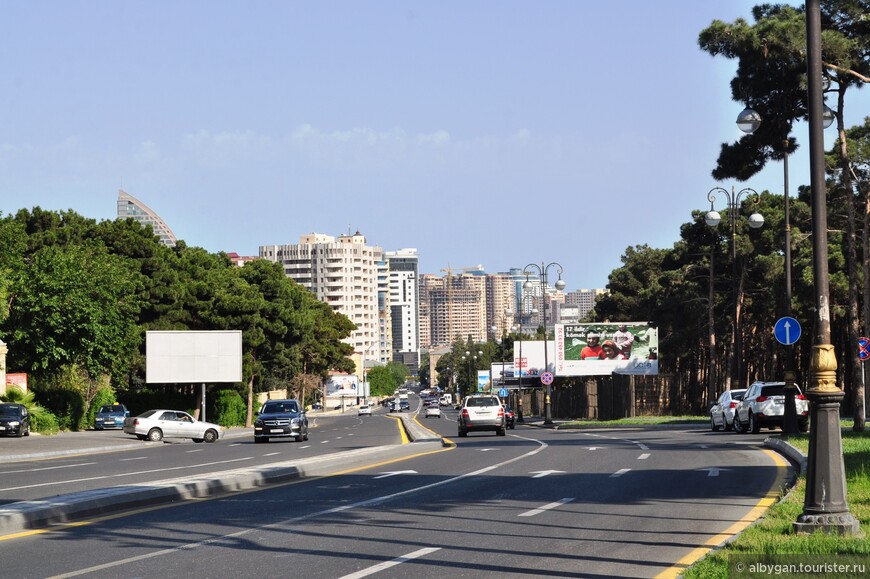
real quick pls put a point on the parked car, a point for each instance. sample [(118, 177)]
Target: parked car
[(281, 419), (364, 409), (722, 412), (155, 425), (110, 416), (14, 420), (432, 411), (510, 419), (481, 412), (763, 405)]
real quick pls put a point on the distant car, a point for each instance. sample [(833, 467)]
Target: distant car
[(365, 409), (403, 405), (317, 406), (510, 418), (110, 416), (14, 420), (432, 411), (763, 405), (281, 419), (155, 425), (481, 412), (722, 413)]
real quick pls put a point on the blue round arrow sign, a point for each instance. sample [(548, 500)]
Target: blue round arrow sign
[(787, 331)]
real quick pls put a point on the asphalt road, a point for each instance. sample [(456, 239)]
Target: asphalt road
[(536, 503)]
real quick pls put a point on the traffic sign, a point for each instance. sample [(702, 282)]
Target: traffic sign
[(547, 378), (787, 331), (502, 392), (863, 348)]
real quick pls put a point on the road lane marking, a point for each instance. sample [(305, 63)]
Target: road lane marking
[(545, 508), (134, 458), (714, 470), (190, 451), (387, 564), (395, 472), (47, 468), (620, 472), (644, 456), (271, 453), (543, 473)]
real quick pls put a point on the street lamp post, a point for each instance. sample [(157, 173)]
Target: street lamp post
[(472, 358), (756, 220), (560, 285), (825, 505)]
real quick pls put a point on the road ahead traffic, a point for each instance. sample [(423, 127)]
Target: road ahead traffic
[(535, 503)]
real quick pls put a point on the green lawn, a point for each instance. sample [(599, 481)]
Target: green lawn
[(773, 534)]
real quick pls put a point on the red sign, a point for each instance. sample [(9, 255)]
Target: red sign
[(863, 348)]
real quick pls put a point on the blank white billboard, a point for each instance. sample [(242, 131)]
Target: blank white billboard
[(192, 357)]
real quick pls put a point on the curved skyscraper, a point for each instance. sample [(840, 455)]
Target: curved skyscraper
[(129, 206)]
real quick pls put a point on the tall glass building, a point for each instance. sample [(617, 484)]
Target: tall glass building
[(129, 206)]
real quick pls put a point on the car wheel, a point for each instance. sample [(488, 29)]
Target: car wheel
[(155, 435), (27, 430), (462, 433), (500, 432), (738, 428), (305, 436), (753, 424), (298, 438), (260, 439), (803, 426), (713, 426), (210, 435)]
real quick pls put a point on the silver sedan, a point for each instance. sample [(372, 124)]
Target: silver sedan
[(155, 425)]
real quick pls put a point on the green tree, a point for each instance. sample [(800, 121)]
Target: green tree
[(382, 382)]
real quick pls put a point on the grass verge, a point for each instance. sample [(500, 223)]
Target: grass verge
[(773, 534), (637, 421)]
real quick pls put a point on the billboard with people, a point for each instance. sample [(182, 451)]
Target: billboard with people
[(596, 349)]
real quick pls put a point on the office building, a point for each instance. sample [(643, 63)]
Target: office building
[(129, 206)]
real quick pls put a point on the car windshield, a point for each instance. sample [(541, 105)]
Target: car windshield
[(737, 396), (279, 407), (778, 390), (112, 409), (482, 402), (10, 411)]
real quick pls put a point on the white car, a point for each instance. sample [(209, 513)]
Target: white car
[(365, 409), (722, 413), (155, 425), (432, 411), (763, 405)]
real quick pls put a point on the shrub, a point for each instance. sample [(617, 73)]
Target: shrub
[(228, 408), (68, 406), (43, 421)]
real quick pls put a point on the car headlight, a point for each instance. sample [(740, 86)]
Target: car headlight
[(14, 423), (258, 422), (294, 421)]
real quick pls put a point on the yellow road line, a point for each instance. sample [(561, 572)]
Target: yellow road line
[(750, 517)]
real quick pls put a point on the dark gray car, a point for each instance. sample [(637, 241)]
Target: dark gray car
[(281, 419), (14, 420)]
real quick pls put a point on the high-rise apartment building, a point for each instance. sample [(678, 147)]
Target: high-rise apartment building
[(584, 299), (385, 313), (129, 206), (500, 303), (342, 272), (405, 306), (455, 306)]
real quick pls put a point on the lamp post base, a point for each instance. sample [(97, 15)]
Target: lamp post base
[(825, 505)]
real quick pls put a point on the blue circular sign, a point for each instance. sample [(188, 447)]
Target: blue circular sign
[(863, 348), (787, 331), (547, 378)]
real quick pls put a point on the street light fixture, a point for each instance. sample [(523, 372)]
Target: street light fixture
[(748, 121), (560, 285), (472, 358), (756, 220)]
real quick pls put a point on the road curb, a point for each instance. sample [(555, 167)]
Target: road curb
[(790, 452)]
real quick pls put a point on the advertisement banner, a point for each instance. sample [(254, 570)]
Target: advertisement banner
[(599, 349), (529, 360), (483, 382), (342, 385)]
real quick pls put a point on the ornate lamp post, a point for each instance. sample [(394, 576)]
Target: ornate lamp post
[(560, 285), (472, 358), (756, 220), (748, 121), (825, 506)]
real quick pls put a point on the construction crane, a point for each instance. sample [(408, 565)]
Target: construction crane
[(450, 270)]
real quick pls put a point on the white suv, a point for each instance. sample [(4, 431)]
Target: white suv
[(481, 412), (764, 405)]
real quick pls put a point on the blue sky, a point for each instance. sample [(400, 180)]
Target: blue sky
[(490, 132)]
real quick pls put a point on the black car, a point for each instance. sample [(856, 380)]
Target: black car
[(14, 420), (281, 419)]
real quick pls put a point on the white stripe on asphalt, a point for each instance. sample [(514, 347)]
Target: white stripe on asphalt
[(644, 456), (620, 472), (540, 510), (387, 564)]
